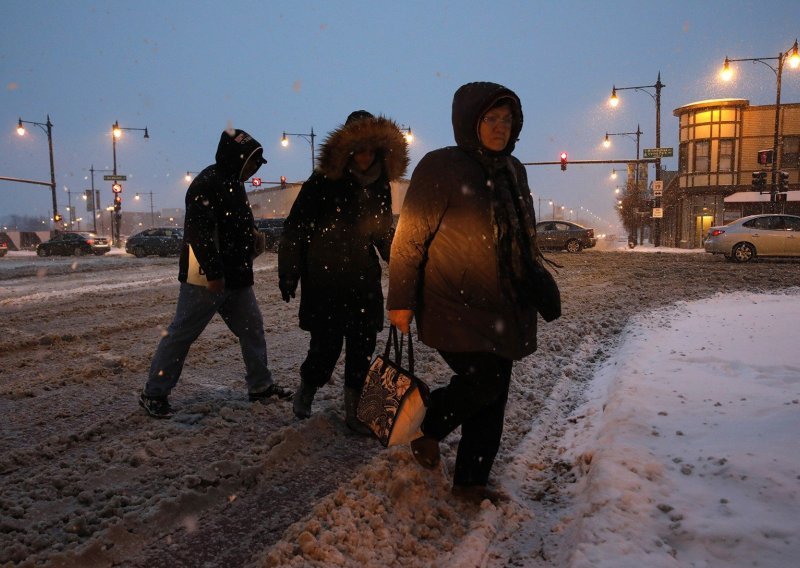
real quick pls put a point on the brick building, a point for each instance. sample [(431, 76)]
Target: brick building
[(720, 140)]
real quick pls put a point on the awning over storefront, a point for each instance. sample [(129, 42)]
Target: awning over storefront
[(756, 197)]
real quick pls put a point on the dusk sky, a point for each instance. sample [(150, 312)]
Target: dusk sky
[(185, 70)]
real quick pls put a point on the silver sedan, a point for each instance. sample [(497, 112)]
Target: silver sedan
[(756, 235)]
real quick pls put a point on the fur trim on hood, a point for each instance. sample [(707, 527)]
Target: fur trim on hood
[(379, 133)]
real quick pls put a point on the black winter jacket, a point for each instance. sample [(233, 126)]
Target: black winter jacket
[(444, 259), (219, 222), (336, 228)]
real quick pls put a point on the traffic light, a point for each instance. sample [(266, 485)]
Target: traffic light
[(783, 181), (57, 217), (116, 188), (255, 182), (117, 202), (563, 161), (283, 182), (759, 180)]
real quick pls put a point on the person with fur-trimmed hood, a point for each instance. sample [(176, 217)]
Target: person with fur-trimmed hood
[(338, 225), (460, 266)]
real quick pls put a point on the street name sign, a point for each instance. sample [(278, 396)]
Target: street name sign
[(115, 178), (657, 152)]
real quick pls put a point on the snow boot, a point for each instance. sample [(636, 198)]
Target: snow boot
[(426, 451), (302, 400), (351, 397)]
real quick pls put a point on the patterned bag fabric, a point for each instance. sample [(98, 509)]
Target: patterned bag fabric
[(393, 400)]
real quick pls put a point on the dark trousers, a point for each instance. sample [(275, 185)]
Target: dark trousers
[(475, 399), (324, 351)]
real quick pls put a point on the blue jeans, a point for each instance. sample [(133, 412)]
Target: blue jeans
[(196, 307)]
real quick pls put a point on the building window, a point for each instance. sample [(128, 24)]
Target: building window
[(701, 156), (725, 155), (791, 152), (683, 157)]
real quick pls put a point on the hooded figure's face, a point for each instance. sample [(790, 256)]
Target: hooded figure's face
[(363, 159), (494, 130), (251, 167)]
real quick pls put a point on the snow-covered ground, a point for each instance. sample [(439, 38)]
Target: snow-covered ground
[(689, 443), (656, 426)]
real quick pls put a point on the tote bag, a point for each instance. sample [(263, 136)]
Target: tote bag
[(393, 400)]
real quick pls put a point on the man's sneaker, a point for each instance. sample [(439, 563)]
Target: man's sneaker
[(157, 407), (273, 391)]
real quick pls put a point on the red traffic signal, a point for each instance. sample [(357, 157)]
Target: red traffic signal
[(116, 188), (563, 161), (256, 182), (283, 182)]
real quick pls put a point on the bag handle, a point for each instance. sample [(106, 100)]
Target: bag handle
[(398, 348)]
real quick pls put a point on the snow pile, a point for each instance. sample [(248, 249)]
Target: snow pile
[(689, 445)]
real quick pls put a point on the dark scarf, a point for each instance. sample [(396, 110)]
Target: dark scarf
[(515, 249), (368, 177)]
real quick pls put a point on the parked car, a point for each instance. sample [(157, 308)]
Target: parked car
[(163, 241), (564, 235), (756, 235), (272, 229), (3, 249), (70, 243)]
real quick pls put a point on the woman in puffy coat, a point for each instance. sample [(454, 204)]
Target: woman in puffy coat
[(459, 265), (339, 223)]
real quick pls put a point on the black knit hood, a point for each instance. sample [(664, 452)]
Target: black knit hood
[(378, 133), (470, 103), (234, 149)]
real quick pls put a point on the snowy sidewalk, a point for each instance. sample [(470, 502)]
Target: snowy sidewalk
[(689, 442)]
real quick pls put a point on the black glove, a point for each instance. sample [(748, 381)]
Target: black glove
[(288, 287)]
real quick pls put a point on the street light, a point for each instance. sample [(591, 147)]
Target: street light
[(409, 136), (188, 176), (116, 132), (656, 96), (152, 215), (794, 62), (638, 134), (47, 127), (307, 137)]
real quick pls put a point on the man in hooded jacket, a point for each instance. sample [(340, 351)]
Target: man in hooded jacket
[(459, 265), (339, 224), (216, 275)]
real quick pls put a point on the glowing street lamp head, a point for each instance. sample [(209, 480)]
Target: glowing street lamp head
[(284, 140), (20, 128), (607, 142), (613, 174), (726, 72), (614, 100), (794, 58), (116, 130)]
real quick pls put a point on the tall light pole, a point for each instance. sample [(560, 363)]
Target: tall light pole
[(794, 62), (152, 215), (656, 96), (307, 137), (116, 132), (96, 197), (47, 127)]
